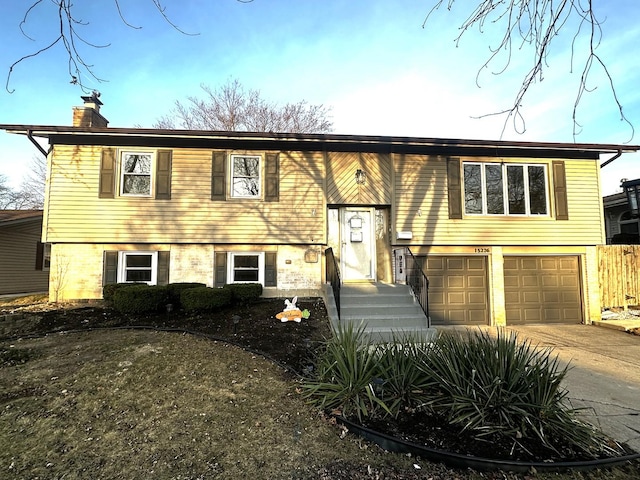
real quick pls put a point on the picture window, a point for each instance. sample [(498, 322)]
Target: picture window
[(505, 189)]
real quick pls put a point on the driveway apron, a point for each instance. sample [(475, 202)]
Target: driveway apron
[(604, 375)]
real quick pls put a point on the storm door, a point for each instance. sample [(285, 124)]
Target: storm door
[(358, 256)]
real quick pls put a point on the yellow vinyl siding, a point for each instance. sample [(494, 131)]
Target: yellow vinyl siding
[(421, 206), (18, 272), (76, 214)]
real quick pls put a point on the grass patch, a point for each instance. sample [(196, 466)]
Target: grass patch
[(156, 405)]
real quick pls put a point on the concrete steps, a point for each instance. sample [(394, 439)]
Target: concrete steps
[(384, 310)]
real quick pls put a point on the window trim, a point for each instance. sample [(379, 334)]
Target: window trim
[(260, 159), (231, 270), (504, 169), (122, 173), (122, 265)]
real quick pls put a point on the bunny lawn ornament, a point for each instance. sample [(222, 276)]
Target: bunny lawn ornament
[(291, 312)]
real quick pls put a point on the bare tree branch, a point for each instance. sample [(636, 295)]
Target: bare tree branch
[(536, 23), (70, 37), (232, 108)]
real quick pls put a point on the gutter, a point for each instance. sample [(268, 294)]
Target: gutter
[(37, 145), (607, 162)]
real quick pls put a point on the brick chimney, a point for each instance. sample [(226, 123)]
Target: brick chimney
[(89, 114)]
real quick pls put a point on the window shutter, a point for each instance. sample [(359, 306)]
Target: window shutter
[(107, 173), (454, 187), (221, 269), (39, 256), (271, 178), (163, 268), (560, 190), (218, 176), (110, 269), (270, 269), (163, 175)]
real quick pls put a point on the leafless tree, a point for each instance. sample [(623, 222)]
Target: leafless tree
[(232, 108), (68, 30), (536, 24), (30, 195)]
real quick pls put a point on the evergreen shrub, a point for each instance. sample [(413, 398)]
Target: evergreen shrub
[(244, 293), (140, 298), (205, 299)]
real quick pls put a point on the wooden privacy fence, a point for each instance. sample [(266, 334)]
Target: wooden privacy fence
[(618, 275)]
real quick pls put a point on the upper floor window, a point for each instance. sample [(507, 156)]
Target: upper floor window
[(245, 176), (505, 189), (135, 173)]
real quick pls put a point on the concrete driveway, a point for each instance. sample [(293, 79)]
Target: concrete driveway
[(604, 375)]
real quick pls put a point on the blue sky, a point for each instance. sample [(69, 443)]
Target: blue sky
[(369, 60)]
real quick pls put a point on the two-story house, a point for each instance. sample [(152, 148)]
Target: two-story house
[(507, 231)]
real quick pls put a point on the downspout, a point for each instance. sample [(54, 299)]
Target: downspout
[(607, 162), (37, 145)]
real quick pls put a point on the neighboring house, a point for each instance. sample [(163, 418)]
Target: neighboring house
[(24, 260), (621, 225), (507, 231)]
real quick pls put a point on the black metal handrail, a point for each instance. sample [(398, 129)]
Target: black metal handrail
[(418, 282), (333, 276)]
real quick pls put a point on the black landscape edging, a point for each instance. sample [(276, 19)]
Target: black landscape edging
[(456, 460)]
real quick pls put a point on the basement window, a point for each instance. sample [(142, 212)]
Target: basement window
[(246, 267), (138, 267)]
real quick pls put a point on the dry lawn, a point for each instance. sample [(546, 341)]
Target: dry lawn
[(131, 404)]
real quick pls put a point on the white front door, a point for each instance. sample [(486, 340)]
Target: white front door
[(358, 256)]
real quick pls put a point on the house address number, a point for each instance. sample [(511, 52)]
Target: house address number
[(483, 250)]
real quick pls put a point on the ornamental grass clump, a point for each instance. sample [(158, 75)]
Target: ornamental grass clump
[(345, 375), (499, 388)]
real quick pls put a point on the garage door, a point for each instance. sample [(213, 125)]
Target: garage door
[(542, 289), (457, 290)]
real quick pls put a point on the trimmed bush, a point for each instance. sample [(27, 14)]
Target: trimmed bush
[(175, 290), (244, 293), (205, 299), (138, 299), (109, 290)]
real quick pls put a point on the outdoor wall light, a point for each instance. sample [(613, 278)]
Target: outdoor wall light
[(632, 189), (361, 177)]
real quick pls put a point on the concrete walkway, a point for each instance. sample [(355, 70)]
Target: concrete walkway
[(604, 377)]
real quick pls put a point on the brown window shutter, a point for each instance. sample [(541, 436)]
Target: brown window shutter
[(163, 268), (163, 175), (39, 256), (560, 190), (270, 269), (218, 176), (110, 268), (454, 187), (107, 186), (220, 269), (272, 177)]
